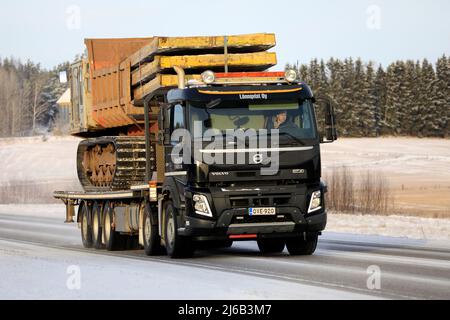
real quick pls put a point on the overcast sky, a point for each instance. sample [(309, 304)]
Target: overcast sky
[(52, 31)]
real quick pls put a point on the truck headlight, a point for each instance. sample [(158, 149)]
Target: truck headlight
[(316, 201), (201, 205)]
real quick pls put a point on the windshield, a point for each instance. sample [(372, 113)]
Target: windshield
[(294, 120)]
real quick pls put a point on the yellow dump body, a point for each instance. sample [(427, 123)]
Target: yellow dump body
[(120, 73)]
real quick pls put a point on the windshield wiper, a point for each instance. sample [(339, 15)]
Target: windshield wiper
[(213, 104), (293, 137)]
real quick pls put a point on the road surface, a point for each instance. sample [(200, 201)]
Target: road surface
[(42, 258)]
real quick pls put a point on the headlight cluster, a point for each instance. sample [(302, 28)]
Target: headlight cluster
[(201, 205), (316, 201)]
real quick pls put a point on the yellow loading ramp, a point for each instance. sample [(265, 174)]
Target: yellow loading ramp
[(203, 44), (252, 61), (242, 62)]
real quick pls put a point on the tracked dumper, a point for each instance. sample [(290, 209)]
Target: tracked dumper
[(132, 98), (112, 163), (116, 75)]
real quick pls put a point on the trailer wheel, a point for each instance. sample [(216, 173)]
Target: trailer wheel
[(152, 240), (302, 247), (113, 240), (271, 245), (97, 232), (86, 230), (176, 246)]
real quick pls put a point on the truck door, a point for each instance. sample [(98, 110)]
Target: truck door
[(174, 164)]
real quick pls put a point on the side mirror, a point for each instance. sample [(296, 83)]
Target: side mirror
[(63, 77), (163, 125), (331, 135), (330, 122)]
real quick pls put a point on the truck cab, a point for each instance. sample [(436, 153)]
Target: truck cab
[(242, 162)]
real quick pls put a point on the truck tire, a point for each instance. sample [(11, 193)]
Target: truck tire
[(97, 230), (152, 240), (113, 240), (86, 229), (176, 246), (271, 245), (302, 247)]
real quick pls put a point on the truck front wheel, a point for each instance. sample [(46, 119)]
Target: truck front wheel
[(302, 247), (176, 245)]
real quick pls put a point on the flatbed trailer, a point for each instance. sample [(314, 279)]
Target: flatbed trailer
[(128, 208)]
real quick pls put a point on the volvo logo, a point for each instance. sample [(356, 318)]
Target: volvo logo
[(220, 173), (258, 158)]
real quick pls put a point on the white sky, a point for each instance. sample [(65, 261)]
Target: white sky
[(47, 31)]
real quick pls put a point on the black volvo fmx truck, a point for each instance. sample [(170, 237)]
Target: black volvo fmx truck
[(234, 162)]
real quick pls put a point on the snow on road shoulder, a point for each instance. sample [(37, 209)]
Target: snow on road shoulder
[(391, 226), (56, 211)]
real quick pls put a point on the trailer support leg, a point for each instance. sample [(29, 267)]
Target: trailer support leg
[(70, 211)]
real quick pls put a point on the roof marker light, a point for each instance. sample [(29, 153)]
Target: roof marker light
[(290, 75)]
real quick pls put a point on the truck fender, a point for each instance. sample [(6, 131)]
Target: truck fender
[(172, 191)]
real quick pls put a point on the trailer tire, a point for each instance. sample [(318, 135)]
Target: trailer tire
[(86, 229), (176, 245), (302, 247), (113, 240), (271, 245), (152, 240), (97, 230)]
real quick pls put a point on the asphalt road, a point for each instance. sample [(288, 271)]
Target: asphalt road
[(341, 268)]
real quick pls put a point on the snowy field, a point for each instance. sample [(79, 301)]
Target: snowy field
[(418, 171)]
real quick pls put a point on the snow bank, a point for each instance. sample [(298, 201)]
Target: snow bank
[(392, 226)]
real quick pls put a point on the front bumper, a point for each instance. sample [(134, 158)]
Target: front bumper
[(231, 213), (201, 229)]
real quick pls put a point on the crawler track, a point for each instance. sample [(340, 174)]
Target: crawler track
[(112, 163)]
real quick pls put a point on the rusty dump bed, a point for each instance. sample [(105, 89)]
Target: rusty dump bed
[(120, 73)]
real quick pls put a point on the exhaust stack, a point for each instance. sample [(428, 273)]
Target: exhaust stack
[(181, 77)]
